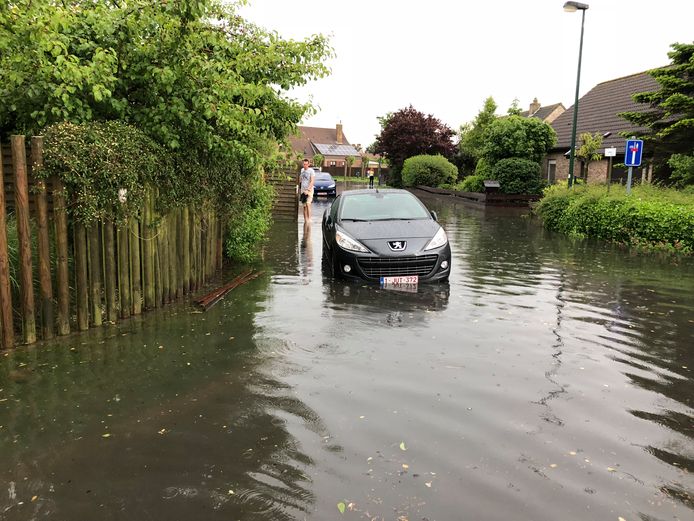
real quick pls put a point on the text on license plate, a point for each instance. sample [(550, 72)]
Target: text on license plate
[(407, 281)]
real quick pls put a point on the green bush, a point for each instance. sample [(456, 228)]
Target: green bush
[(518, 176), (428, 171), (651, 217), (483, 169), (248, 226), (472, 183)]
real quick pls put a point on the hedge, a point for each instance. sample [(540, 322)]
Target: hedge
[(650, 217)]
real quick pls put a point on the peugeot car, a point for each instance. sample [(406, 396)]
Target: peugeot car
[(385, 236), (324, 184)]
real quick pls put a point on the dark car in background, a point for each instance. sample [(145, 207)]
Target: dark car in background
[(385, 236), (324, 184)]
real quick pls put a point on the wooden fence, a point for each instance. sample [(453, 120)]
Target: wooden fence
[(81, 276)]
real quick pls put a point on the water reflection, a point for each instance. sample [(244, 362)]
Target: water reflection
[(175, 414)]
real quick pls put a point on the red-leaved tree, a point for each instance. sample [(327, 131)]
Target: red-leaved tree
[(408, 133)]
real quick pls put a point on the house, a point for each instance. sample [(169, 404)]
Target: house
[(598, 113), (331, 143), (547, 114)]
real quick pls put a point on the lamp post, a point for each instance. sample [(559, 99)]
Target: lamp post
[(572, 7)]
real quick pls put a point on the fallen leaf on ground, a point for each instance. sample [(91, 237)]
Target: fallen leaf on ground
[(341, 507), (402, 446)]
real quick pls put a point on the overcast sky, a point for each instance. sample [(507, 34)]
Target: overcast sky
[(445, 57)]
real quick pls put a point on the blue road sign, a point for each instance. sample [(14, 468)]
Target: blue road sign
[(632, 154)]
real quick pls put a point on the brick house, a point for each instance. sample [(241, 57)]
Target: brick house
[(547, 114), (330, 142), (597, 113)]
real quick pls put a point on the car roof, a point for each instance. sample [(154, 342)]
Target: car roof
[(377, 191)]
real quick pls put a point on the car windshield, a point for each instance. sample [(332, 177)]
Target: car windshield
[(323, 177), (382, 206)]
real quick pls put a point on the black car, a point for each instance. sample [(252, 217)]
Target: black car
[(385, 236), (324, 184)]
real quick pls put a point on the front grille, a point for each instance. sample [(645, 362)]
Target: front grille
[(394, 266)]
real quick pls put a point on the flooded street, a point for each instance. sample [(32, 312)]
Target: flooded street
[(551, 379)]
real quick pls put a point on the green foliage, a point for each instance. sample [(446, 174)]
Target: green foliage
[(407, 133), (428, 171), (518, 176), (590, 144), (472, 183), (668, 114), (516, 136), (483, 169), (650, 217), (192, 74), (318, 160), (97, 160), (472, 137), (682, 169), (249, 224)]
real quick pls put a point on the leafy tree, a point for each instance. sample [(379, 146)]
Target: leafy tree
[(669, 118), (408, 133), (472, 137), (349, 161), (588, 151), (514, 109), (192, 74), (682, 169), (428, 171), (318, 160), (519, 137)]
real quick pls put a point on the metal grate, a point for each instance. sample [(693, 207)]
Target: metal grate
[(394, 266)]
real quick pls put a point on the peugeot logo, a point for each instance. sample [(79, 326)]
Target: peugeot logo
[(397, 245)]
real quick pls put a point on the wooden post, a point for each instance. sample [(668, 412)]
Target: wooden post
[(123, 271), (220, 245), (164, 255), (61, 246), (185, 248), (94, 273), (180, 246), (81, 279), (46, 285), (136, 267), (148, 253), (22, 213), (171, 234), (110, 269), (7, 329)]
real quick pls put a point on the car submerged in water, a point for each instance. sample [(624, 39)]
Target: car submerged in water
[(324, 184), (385, 236)]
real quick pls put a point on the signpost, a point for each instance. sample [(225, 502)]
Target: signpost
[(632, 157), (610, 152)]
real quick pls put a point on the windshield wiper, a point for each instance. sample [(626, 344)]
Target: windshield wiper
[(354, 219)]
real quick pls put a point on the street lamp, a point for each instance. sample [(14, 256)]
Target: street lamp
[(572, 7)]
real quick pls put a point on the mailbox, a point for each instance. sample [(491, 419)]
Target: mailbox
[(491, 186)]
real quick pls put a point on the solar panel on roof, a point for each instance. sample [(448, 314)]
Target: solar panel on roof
[(336, 150)]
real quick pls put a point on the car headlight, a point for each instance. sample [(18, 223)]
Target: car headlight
[(331, 186), (439, 240), (347, 243)]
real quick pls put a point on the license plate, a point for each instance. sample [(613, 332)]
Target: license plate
[(406, 283)]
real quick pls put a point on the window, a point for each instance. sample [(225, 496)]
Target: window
[(333, 163), (551, 171)]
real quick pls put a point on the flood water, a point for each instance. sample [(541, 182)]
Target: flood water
[(550, 380)]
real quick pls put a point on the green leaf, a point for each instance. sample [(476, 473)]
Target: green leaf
[(341, 507)]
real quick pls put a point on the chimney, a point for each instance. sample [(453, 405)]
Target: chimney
[(338, 128), (534, 107)]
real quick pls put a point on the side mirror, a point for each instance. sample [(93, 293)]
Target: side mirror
[(433, 214)]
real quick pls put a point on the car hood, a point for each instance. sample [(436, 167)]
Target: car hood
[(323, 183), (391, 230)]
